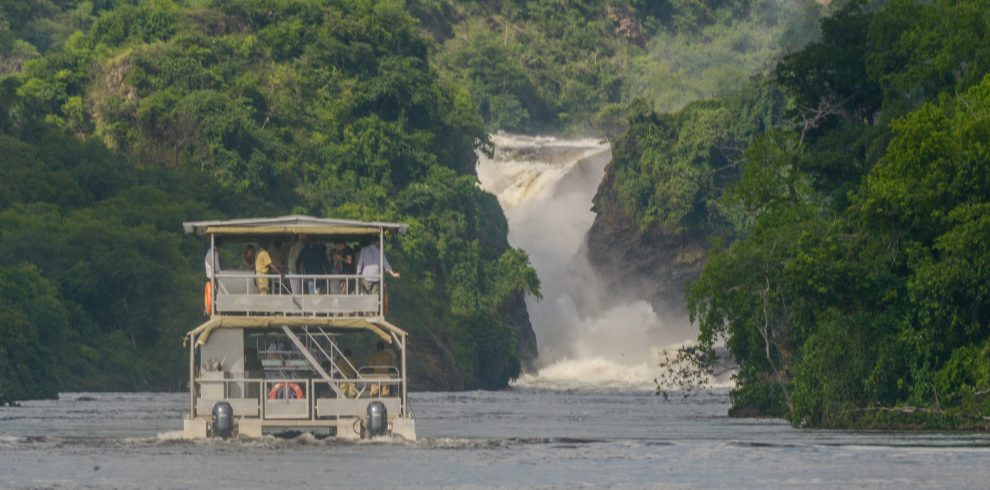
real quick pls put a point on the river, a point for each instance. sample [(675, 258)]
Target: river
[(516, 438)]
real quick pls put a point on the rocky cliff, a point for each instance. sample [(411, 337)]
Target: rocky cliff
[(646, 264), (514, 313)]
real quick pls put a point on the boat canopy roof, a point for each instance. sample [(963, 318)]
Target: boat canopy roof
[(379, 327), (292, 225)]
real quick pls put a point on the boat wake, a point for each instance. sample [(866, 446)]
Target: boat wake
[(169, 439), (174, 438)]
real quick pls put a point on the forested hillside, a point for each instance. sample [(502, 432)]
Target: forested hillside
[(849, 275), (119, 120), (586, 66), (832, 203)]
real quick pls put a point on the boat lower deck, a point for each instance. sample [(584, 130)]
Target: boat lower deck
[(291, 372), (345, 428)]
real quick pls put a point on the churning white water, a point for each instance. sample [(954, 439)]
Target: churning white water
[(586, 337)]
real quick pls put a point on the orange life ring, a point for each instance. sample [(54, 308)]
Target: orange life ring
[(208, 299), (273, 395)]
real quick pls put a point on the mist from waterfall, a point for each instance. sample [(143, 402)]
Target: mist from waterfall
[(586, 337)]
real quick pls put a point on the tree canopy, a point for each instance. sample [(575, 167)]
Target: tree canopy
[(855, 292), (587, 66), (121, 119)]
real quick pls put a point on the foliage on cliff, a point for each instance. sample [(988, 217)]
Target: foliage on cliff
[(29, 311), (668, 170), (119, 120), (857, 292)]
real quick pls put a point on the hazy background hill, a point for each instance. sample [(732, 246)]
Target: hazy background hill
[(586, 66)]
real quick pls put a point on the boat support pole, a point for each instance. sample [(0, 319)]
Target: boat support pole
[(381, 272), (213, 274), (405, 400), (192, 375)]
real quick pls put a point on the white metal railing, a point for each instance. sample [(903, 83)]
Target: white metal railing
[(305, 391), (379, 371), (244, 292), (246, 282), (247, 388)]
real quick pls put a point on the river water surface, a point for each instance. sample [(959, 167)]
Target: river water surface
[(516, 438)]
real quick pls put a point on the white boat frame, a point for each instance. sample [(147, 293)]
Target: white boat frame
[(310, 385)]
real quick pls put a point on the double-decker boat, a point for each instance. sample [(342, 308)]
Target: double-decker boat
[(275, 353)]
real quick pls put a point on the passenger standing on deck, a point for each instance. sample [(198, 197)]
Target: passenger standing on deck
[(340, 259), (213, 257), (351, 285), (369, 267), (263, 265), (295, 284), (211, 262), (312, 261), (278, 253), (247, 258)]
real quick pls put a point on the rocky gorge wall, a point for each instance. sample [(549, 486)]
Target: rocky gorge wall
[(647, 264)]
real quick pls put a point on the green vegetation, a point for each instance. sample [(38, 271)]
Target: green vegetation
[(668, 170), (29, 310), (119, 120), (852, 281), (844, 186), (548, 65)]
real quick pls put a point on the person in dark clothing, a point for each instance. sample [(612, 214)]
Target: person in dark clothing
[(350, 268), (340, 260), (313, 261)]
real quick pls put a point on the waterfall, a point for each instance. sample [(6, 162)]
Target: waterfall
[(586, 337)]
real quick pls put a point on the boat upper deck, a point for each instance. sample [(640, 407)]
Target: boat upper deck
[(283, 290)]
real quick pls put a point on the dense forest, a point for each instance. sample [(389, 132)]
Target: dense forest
[(829, 156), (119, 120), (846, 200), (587, 66)]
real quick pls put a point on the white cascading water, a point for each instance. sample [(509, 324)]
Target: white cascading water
[(586, 339)]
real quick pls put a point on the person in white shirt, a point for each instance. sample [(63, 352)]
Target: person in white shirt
[(295, 284), (212, 255), (369, 267)]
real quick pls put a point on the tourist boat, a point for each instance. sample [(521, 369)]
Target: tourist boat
[(275, 361)]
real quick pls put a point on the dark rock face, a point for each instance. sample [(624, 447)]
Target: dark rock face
[(431, 365), (645, 264), (515, 314)]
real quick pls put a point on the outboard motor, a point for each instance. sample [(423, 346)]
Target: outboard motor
[(377, 419), (223, 419)]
